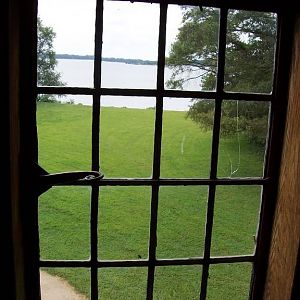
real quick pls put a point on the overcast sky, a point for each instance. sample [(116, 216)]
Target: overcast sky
[(130, 29)]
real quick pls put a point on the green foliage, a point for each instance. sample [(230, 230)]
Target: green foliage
[(249, 118), (249, 65), (46, 61)]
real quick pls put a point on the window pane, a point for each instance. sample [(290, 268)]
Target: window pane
[(229, 281), (73, 25), (235, 220), (244, 130), (64, 134), (181, 209), (187, 135), (124, 222), (122, 283), (138, 75), (127, 136), (130, 36), (65, 283), (76, 71), (251, 39), (192, 48), (178, 282), (64, 223)]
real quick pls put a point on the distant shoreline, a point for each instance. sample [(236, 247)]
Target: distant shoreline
[(130, 61)]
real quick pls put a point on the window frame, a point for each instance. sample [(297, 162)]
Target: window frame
[(278, 100)]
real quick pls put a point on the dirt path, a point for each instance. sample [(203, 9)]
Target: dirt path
[(56, 288)]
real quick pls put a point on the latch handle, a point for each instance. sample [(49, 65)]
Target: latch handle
[(70, 177), (45, 181)]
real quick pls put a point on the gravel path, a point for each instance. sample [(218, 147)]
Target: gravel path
[(56, 288)]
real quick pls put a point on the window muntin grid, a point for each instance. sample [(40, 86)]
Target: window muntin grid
[(155, 182)]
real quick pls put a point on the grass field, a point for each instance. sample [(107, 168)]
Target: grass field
[(126, 151)]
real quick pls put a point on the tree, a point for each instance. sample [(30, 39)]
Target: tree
[(46, 60), (249, 66)]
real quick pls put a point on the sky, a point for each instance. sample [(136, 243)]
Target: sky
[(130, 29)]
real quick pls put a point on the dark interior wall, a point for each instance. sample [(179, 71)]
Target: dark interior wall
[(20, 217), (7, 266)]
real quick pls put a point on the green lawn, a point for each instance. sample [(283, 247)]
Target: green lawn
[(126, 151)]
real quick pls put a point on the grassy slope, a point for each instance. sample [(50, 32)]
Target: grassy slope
[(126, 151)]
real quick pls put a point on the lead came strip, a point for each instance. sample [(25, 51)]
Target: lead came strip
[(215, 149), (95, 149), (157, 148)]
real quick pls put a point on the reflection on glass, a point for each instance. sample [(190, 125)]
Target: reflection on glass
[(251, 39), (124, 222), (244, 129), (186, 139), (181, 210), (127, 136), (177, 282), (66, 42), (192, 48), (64, 218), (65, 283), (122, 283), (229, 281), (130, 36), (64, 134), (235, 220)]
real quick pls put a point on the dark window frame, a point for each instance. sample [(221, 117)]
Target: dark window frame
[(278, 101)]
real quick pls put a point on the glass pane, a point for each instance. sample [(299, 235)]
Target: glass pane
[(64, 133), (122, 283), (181, 209), (65, 44), (235, 220), (229, 281), (64, 218), (178, 282), (124, 214), (76, 70), (130, 36), (192, 48), (65, 283), (127, 136), (187, 136), (251, 39), (244, 130)]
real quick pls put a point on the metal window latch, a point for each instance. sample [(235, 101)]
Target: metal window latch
[(45, 181)]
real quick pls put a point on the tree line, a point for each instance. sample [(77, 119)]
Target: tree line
[(131, 61)]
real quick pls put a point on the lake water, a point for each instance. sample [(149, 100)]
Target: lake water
[(79, 73)]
